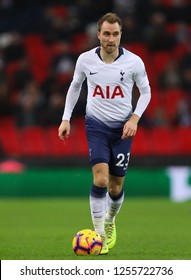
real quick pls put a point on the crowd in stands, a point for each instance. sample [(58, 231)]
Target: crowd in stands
[(40, 41)]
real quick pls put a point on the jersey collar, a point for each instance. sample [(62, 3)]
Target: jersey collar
[(120, 52)]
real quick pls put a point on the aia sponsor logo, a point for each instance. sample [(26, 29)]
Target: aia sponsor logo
[(108, 93)]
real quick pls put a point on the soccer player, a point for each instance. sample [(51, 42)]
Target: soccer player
[(110, 121)]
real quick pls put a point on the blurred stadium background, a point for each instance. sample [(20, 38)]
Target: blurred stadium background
[(39, 43)]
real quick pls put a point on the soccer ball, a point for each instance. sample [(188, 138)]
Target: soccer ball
[(87, 242)]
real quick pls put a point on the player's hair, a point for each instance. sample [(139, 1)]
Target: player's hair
[(111, 18)]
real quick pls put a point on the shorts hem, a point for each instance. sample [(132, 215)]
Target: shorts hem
[(117, 175), (98, 160)]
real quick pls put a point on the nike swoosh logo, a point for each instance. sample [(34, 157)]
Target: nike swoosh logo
[(93, 73)]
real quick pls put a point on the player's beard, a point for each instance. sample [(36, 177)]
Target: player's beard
[(109, 48)]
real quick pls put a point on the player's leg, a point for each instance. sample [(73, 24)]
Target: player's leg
[(99, 153), (115, 198), (98, 200), (117, 169)]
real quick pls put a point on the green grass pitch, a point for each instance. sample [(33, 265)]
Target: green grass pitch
[(43, 229)]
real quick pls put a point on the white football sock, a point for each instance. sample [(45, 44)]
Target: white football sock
[(113, 207), (98, 204)]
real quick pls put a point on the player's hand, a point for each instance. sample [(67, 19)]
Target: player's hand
[(130, 127), (64, 129)]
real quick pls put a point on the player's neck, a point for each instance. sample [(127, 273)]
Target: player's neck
[(109, 58)]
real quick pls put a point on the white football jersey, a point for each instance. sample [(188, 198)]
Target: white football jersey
[(109, 98)]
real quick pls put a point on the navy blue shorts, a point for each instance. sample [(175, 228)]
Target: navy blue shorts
[(106, 146)]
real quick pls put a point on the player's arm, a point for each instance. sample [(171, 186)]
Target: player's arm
[(142, 82), (71, 100), (130, 127), (64, 129)]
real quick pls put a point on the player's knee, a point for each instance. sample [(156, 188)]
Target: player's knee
[(115, 190), (101, 181)]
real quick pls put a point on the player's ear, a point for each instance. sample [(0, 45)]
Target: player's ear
[(98, 34)]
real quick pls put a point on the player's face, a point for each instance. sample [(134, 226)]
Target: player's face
[(109, 36)]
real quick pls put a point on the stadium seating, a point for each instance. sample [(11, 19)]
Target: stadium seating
[(38, 54), (159, 60), (33, 142), (163, 142), (43, 141), (56, 147), (142, 145), (9, 138), (183, 140)]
